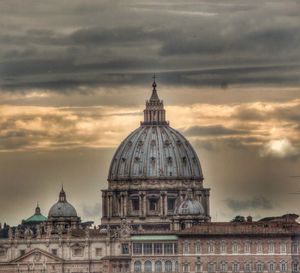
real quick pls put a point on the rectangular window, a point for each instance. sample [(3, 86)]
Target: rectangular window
[(175, 248), (98, 251), (147, 248), (158, 248), (271, 248), (259, 248), (152, 204), (211, 267), (22, 252), (54, 251), (197, 248), (247, 248), (77, 252), (168, 248), (171, 204), (137, 248), (283, 248), (125, 249), (135, 204), (2, 252), (223, 248), (198, 267), (294, 248), (210, 248), (235, 248)]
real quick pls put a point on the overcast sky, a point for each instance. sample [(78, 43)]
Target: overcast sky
[(74, 76)]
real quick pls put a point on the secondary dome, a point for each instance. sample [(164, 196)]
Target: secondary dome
[(189, 206), (62, 208), (155, 150), (37, 217)]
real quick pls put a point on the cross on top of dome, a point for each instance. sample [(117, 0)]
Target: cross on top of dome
[(154, 96)]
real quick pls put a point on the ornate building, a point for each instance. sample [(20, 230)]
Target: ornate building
[(155, 218)]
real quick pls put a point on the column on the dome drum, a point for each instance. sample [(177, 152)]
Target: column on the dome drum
[(161, 199), (125, 204)]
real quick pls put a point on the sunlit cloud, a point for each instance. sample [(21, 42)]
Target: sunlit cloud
[(281, 148), (249, 124)]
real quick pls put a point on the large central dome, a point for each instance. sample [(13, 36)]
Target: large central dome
[(155, 150)]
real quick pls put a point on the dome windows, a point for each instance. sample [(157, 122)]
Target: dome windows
[(151, 155)]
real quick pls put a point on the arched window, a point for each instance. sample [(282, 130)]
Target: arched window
[(223, 267), (137, 267), (259, 267), (295, 267), (211, 267), (158, 266), (168, 266), (235, 267), (272, 267), (283, 266), (186, 267), (148, 266), (247, 267)]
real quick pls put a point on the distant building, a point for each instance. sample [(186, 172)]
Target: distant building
[(155, 218)]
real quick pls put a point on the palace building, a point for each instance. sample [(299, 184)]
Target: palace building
[(155, 218)]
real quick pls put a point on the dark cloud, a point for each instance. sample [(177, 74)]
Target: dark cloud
[(212, 44), (212, 130), (255, 203)]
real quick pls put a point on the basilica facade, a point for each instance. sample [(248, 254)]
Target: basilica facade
[(155, 218)]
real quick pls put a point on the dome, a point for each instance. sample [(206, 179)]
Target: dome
[(62, 208), (37, 217), (189, 207), (155, 150)]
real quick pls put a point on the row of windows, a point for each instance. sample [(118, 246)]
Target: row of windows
[(235, 248), (157, 266), (154, 248), (169, 266), (152, 204), (237, 267)]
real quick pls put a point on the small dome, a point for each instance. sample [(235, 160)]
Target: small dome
[(62, 208), (37, 217), (189, 207)]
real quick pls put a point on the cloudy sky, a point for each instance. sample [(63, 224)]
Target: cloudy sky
[(74, 76)]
